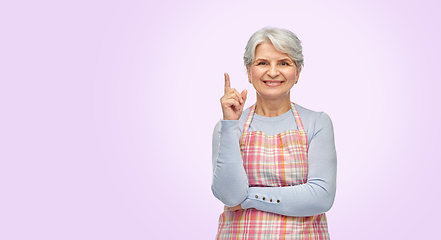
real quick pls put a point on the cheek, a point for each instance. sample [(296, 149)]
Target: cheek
[(290, 75), (257, 74)]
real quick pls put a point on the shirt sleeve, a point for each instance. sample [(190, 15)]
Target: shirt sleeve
[(317, 194), (230, 181)]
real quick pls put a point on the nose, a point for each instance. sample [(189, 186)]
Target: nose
[(273, 72)]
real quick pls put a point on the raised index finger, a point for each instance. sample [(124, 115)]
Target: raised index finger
[(227, 82)]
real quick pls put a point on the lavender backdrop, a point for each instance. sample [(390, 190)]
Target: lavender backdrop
[(108, 107)]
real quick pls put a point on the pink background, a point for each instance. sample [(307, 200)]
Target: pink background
[(108, 107)]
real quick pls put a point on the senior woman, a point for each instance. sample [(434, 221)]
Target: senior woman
[(274, 164)]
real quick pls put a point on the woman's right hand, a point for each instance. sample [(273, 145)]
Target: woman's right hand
[(232, 102)]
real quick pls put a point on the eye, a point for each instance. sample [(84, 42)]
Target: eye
[(261, 63), (284, 64)]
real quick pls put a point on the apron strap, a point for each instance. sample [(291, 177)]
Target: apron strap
[(297, 118), (249, 118)]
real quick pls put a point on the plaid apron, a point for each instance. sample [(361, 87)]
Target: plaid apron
[(273, 161)]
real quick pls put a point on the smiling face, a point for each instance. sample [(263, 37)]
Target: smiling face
[(272, 73)]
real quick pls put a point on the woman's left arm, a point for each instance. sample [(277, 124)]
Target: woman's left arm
[(317, 194)]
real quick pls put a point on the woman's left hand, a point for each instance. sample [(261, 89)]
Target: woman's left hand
[(238, 207)]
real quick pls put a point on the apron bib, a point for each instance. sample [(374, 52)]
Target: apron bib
[(277, 160)]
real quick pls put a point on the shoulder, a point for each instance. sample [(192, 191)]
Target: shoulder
[(309, 115), (314, 121)]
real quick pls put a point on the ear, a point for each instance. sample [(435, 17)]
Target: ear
[(249, 74), (298, 74)]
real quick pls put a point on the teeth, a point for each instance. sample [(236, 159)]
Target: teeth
[(273, 82)]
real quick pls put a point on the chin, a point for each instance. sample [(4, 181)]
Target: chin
[(273, 95)]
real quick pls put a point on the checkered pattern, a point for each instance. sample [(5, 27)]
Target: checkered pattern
[(273, 161)]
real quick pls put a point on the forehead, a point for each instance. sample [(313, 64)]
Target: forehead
[(268, 51)]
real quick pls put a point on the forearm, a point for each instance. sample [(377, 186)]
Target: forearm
[(230, 182), (301, 200)]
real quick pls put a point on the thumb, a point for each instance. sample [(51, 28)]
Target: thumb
[(243, 94)]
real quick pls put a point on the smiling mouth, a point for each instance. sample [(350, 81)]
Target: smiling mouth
[(273, 82)]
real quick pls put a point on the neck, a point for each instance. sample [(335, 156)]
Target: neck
[(272, 107)]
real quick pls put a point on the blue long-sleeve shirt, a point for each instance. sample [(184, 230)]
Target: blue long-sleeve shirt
[(230, 182)]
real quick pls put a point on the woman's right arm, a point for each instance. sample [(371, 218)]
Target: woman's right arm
[(230, 181)]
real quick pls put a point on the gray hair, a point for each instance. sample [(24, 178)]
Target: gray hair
[(283, 41)]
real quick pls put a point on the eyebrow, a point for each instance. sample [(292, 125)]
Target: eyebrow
[(280, 60), (286, 59)]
